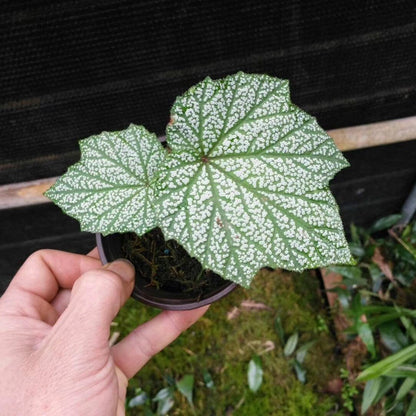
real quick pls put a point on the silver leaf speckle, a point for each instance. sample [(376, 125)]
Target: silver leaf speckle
[(246, 183), (111, 189)]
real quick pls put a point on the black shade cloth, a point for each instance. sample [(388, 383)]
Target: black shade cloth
[(70, 69)]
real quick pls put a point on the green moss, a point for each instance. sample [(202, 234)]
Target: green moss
[(304, 402), (224, 347)]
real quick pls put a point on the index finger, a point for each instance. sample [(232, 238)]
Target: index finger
[(46, 271)]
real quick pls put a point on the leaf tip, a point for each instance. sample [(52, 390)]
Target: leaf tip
[(50, 192)]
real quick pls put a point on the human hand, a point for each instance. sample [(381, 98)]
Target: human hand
[(54, 328)]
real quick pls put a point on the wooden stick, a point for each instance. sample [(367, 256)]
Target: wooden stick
[(375, 134), (25, 193), (347, 138)]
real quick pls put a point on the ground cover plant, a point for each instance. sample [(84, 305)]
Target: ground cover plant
[(379, 297), (242, 183), (279, 334), (218, 349)]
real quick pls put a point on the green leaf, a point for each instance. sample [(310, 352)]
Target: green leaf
[(138, 400), (357, 250), (302, 351), (279, 329), (300, 371), (209, 382), (388, 364), (387, 383), (164, 399), (402, 371), (291, 344), (366, 335), (385, 222), (411, 410), (111, 189), (406, 386), (386, 315), (350, 272), (370, 392), (163, 394), (255, 373), (410, 328), (246, 181), (375, 272), (186, 386), (392, 336), (163, 406)]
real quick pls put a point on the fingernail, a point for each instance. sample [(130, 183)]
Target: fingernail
[(123, 267)]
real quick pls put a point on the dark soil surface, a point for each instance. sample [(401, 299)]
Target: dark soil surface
[(167, 265)]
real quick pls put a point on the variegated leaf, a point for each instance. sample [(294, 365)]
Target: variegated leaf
[(111, 189), (246, 182)]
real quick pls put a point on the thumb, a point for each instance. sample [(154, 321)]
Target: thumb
[(96, 298)]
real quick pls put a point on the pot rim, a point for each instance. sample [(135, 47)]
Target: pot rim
[(167, 303)]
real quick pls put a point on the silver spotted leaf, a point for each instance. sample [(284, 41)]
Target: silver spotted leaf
[(246, 180), (111, 189)]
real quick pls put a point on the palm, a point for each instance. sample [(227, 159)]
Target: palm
[(88, 376)]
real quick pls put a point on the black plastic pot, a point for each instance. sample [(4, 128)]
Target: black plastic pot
[(109, 248)]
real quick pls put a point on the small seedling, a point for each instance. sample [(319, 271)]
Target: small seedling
[(292, 351)]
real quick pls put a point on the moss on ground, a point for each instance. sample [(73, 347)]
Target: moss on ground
[(224, 347)]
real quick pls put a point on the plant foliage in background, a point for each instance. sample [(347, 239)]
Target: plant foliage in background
[(255, 373), (243, 184), (221, 369), (380, 296), (296, 354)]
